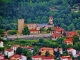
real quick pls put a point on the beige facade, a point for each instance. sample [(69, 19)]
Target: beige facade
[(20, 25), (44, 49), (32, 26), (51, 20)]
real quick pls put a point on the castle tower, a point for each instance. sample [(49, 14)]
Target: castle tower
[(20, 25), (50, 20)]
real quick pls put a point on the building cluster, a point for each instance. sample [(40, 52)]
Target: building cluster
[(40, 56), (33, 27), (60, 32), (54, 52)]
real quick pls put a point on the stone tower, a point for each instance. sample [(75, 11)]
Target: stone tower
[(50, 20), (20, 25)]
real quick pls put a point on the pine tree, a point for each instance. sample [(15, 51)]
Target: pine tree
[(26, 31)]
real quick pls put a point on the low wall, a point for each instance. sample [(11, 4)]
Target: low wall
[(32, 37)]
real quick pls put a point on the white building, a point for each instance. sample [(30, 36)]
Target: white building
[(9, 52), (14, 47), (71, 51), (1, 44), (24, 58)]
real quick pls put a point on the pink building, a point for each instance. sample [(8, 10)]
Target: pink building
[(1, 56)]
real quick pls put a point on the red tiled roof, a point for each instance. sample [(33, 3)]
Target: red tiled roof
[(16, 56), (0, 41), (34, 29), (68, 57), (72, 33), (2, 55), (69, 39), (48, 57), (57, 35), (69, 48), (9, 50), (29, 47), (43, 57), (60, 49), (37, 56), (58, 29), (4, 59), (46, 48)]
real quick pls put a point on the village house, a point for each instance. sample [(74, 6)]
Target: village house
[(42, 57), (58, 49), (1, 44), (28, 47), (71, 33), (56, 35), (14, 47), (71, 51), (18, 57), (58, 29), (44, 49), (9, 52), (58, 32), (66, 58), (36, 30), (61, 50), (68, 41)]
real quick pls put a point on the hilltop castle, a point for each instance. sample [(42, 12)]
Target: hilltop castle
[(33, 27)]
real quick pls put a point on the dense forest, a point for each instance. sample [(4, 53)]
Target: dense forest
[(65, 13)]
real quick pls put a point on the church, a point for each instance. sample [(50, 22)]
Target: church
[(33, 27)]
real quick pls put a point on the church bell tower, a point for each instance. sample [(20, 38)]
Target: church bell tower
[(50, 20)]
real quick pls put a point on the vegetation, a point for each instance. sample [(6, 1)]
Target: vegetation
[(47, 53), (75, 39), (2, 32), (12, 32), (38, 11), (26, 31)]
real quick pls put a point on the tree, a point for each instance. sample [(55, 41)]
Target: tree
[(2, 32), (19, 51), (79, 32), (26, 31), (60, 40), (78, 57), (70, 46), (43, 29), (71, 27), (35, 52), (75, 39), (47, 53), (29, 55), (77, 46), (41, 40), (24, 51), (12, 32), (1, 49), (50, 29)]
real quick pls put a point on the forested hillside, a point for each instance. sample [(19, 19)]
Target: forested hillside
[(37, 11)]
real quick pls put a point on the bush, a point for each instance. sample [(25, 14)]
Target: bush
[(12, 32)]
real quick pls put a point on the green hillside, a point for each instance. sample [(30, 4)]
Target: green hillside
[(66, 13)]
